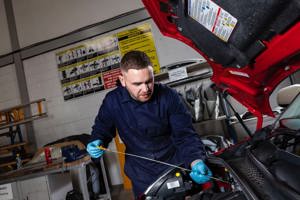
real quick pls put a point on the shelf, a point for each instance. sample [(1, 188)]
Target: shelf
[(16, 115), (4, 149), (14, 162), (24, 121), (10, 160), (22, 105), (11, 120), (8, 133)]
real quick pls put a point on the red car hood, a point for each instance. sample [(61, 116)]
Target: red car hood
[(260, 49)]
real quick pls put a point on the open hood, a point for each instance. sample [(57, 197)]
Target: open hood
[(251, 45)]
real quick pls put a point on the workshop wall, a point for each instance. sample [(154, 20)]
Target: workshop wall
[(55, 18), (76, 116), (4, 39), (39, 20), (9, 91)]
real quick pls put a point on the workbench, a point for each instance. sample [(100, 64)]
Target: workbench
[(12, 122), (58, 178)]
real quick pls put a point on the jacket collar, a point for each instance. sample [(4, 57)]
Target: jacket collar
[(125, 95), (127, 98)]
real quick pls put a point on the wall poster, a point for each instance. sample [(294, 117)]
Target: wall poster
[(95, 64)]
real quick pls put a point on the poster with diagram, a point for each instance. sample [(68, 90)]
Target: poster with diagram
[(94, 65)]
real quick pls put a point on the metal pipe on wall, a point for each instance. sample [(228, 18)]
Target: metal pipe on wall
[(20, 74)]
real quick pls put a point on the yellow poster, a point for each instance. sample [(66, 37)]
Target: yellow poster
[(94, 65), (139, 38)]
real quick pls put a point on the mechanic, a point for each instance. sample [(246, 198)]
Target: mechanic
[(152, 121)]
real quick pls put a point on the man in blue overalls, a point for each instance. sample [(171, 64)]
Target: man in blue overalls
[(152, 121)]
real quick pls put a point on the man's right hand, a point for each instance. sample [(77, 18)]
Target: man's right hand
[(93, 149)]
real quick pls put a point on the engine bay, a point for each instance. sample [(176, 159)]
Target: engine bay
[(263, 167)]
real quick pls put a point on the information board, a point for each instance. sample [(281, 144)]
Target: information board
[(94, 65)]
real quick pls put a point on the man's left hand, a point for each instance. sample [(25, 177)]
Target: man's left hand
[(200, 172)]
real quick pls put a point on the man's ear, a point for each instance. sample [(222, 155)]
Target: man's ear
[(121, 78)]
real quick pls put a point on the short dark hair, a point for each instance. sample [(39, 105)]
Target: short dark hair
[(135, 60)]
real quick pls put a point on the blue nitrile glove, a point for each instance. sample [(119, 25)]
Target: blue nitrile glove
[(200, 172), (93, 149)]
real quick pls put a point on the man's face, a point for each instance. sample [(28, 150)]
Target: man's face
[(139, 83)]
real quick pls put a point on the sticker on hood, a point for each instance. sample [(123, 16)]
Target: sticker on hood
[(212, 17)]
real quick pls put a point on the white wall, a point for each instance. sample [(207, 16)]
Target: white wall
[(5, 46), (9, 94), (39, 20), (76, 116), (9, 91), (171, 50)]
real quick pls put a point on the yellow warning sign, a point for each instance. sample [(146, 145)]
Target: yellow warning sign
[(139, 38)]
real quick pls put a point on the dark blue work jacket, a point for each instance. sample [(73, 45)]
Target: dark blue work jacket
[(160, 129)]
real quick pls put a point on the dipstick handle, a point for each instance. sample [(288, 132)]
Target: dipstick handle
[(102, 148)]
